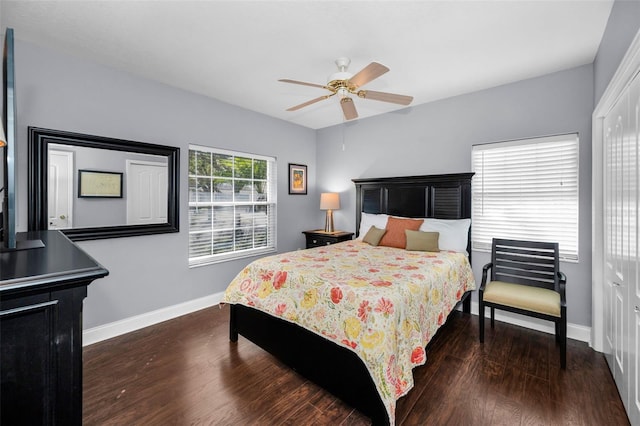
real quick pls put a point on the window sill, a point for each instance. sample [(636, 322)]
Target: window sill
[(562, 259), (231, 257)]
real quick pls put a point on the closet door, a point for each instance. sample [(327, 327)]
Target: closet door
[(609, 243), (633, 137), (622, 246), (609, 225), (617, 257)]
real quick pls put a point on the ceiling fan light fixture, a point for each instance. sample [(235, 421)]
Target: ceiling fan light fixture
[(344, 83)]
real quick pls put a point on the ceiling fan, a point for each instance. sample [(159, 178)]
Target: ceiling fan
[(343, 83)]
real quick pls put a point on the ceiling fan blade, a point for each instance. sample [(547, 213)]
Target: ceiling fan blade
[(368, 73), (286, 80), (385, 97), (348, 108), (312, 101)]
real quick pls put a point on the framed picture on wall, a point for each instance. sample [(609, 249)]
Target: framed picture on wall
[(297, 179), (94, 184)]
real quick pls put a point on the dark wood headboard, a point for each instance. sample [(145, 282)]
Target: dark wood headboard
[(445, 196)]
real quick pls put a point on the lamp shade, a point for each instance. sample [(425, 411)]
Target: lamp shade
[(329, 201)]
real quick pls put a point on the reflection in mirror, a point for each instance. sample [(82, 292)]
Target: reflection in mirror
[(127, 188), (144, 190)]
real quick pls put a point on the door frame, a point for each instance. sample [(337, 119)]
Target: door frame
[(628, 68)]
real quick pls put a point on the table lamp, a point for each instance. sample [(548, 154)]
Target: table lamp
[(329, 201)]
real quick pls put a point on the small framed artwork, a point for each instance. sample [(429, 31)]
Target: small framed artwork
[(95, 184), (297, 179)]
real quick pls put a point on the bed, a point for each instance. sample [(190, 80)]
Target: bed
[(325, 332)]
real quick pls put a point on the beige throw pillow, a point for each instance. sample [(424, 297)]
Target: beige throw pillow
[(422, 241), (374, 235)]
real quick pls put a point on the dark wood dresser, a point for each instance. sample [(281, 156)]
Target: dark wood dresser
[(319, 238), (41, 296)]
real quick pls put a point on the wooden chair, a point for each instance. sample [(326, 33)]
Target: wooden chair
[(526, 279)]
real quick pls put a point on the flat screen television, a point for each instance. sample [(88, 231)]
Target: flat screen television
[(9, 237), (9, 150)]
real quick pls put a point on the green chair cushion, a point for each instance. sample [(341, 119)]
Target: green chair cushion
[(534, 299)]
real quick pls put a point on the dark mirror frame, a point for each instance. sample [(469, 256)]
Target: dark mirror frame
[(39, 140)]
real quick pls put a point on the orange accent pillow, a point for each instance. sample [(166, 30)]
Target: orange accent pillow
[(395, 235)]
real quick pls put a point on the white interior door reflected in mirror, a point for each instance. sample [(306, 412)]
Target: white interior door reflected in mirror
[(146, 192), (60, 187), (73, 205)]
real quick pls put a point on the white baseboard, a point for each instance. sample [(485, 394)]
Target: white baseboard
[(127, 325), (574, 331)]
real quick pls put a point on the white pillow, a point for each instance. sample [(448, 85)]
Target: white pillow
[(367, 220), (454, 233)]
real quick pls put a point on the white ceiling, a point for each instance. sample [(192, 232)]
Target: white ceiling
[(235, 51)]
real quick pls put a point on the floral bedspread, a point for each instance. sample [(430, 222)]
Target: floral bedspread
[(383, 303)]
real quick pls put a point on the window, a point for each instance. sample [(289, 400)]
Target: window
[(232, 205), (527, 190)]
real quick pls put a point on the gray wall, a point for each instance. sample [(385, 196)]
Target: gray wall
[(437, 138), (63, 92), (623, 25)]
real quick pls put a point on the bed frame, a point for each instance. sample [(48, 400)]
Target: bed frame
[(337, 369)]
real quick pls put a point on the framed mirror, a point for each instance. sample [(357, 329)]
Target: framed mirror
[(93, 187)]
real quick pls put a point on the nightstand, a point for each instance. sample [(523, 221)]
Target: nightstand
[(319, 238)]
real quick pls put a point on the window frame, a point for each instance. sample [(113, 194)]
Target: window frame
[(270, 203), (567, 169)]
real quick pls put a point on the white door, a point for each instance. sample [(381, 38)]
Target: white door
[(616, 226), (609, 244), (622, 246), (616, 284), (60, 189), (633, 137), (147, 186)]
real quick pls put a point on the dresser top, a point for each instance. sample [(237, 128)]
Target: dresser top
[(60, 261)]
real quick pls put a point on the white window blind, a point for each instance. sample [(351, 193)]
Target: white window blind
[(528, 190), (232, 205)]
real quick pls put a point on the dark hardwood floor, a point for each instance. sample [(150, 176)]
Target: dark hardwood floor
[(186, 372)]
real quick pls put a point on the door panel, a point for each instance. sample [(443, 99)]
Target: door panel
[(609, 226), (616, 227), (609, 220), (146, 192), (633, 137), (622, 246), (60, 189)]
